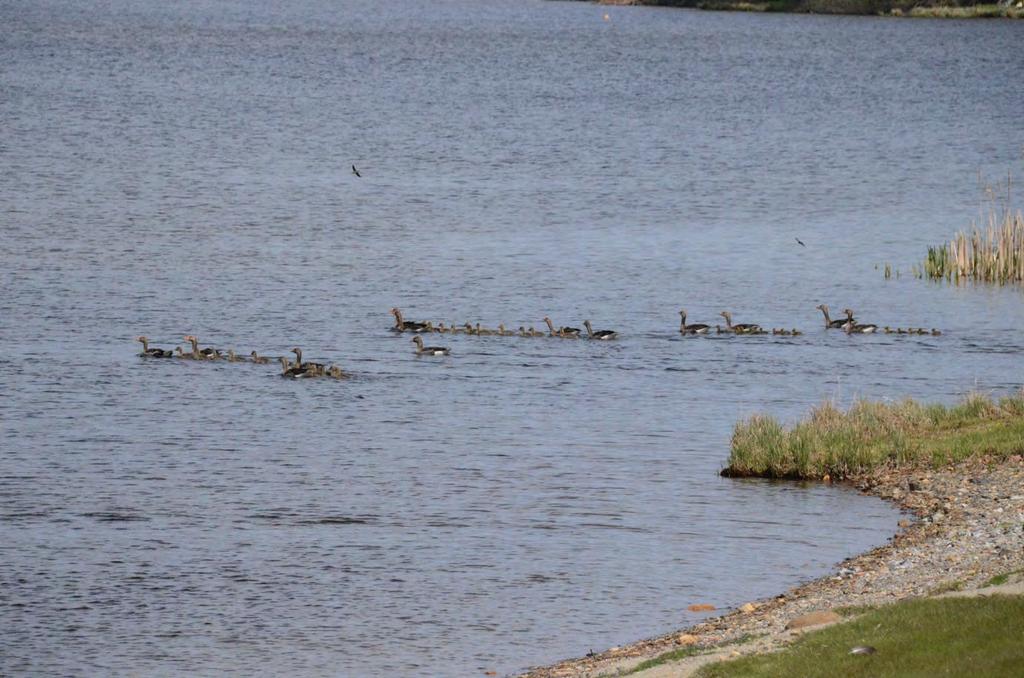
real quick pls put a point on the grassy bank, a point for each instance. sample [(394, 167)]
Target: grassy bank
[(951, 637), (836, 444)]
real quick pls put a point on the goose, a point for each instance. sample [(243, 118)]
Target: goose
[(696, 328), (600, 335), (852, 328), (469, 329), (429, 350), (523, 332), (234, 358), (202, 354), (829, 323), (936, 333), (796, 332), (403, 325), (502, 332), (184, 356), (314, 367), (335, 372), (258, 359), (563, 332), (483, 331), (148, 352), (888, 330), (534, 332), (296, 372), (441, 328), (776, 330), (455, 329), (742, 328)]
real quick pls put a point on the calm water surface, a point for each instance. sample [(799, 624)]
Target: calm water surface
[(173, 168)]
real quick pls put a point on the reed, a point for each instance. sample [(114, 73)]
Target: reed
[(838, 444), (992, 255)]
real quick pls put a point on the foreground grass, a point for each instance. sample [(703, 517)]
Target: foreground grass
[(949, 637), (834, 443)]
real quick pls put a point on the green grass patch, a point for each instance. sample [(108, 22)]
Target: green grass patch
[(870, 434), (684, 652), (997, 580), (674, 655), (1000, 579), (924, 638)]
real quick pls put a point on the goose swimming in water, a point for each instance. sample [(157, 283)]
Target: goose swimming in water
[(429, 350), (403, 325), (695, 328), (563, 332), (483, 331), (313, 367), (258, 359), (234, 358), (852, 327), (600, 335), (832, 324), (502, 332), (148, 352), (742, 328), (207, 353), (294, 372)]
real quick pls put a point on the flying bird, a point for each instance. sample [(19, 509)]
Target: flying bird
[(798, 240), (356, 172)]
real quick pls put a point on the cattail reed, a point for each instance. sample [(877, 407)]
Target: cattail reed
[(993, 255)]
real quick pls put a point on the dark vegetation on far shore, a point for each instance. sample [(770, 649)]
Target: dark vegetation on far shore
[(835, 444), (951, 9)]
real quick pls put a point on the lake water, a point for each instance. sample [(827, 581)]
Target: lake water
[(175, 168)]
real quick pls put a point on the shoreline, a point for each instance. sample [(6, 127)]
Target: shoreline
[(893, 8), (969, 528)]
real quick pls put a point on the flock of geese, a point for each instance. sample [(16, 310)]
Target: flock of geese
[(848, 324), (301, 369), (293, 370)]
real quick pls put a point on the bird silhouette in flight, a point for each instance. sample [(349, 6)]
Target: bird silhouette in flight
[(356, 172), (798, 240)]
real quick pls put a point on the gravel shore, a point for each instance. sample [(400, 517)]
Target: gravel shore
[(969, 528)]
